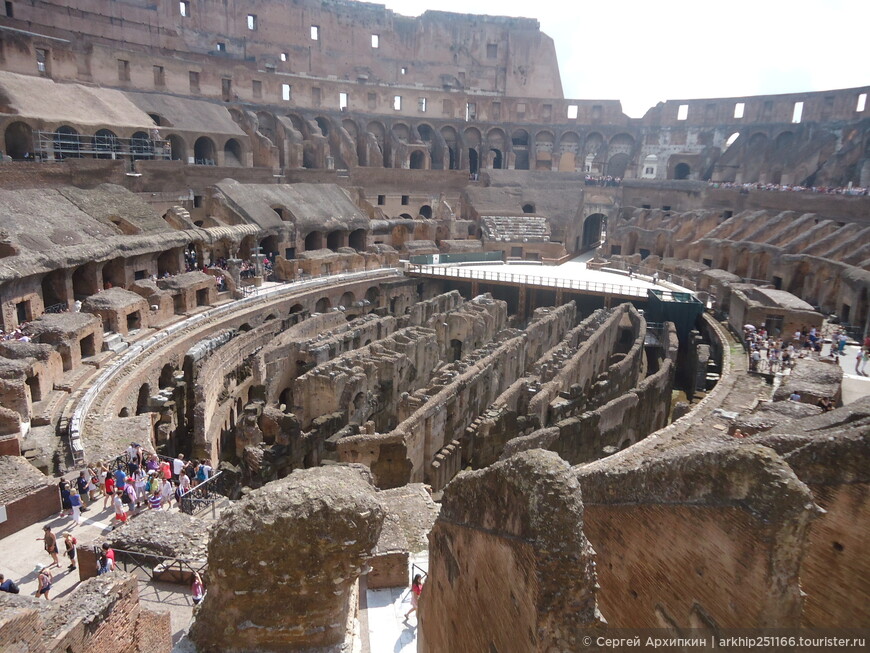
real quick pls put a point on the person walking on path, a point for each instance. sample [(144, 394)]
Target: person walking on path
[(44, 582), (416, 591), (197, 588), (50, 542), (76, 503), (70, 544)]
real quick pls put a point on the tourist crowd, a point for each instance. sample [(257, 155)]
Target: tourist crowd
[(606, 180), (792, 188)]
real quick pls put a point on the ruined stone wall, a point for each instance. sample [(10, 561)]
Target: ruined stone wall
[(101, 614), (284, 563), (592, 358), (365, 383), (724, 529), (829, 454), (509, 565), (433, 417)]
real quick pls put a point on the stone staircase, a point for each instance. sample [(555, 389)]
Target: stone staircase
[(114, 342), (515, 228)]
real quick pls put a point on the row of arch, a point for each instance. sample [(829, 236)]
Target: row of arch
[(69, 142)]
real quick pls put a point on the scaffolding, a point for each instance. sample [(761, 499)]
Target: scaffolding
[(60, 145)]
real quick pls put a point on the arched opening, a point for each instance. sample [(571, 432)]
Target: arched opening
[(19, 140), (473, 165), (347, 300), (426, 211), (106, 143), (373, 296), (66, 143), (204, 151), (417, 160), (592, 227), (682, 171), (314, 241), (323, 123), (143, 399), (177, 148), (497, 159), (124, 412), (233, 153), (54, 290), (650, 167), (617, 165), (323, 305), (334, 240), (113, 274), (528, 208), (296, 308), (141, 146), (269, 247), (166, 376), (455, 350), (85, 281), (357, 239), (520, 147)]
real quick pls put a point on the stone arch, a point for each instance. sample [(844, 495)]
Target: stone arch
[(401, 132), (621, 142), (67, 143), (19, 139), (233, 153), (379, 133), (593, 226), (417, 160), (269, 246), (682, 170), (177, 147), (426, 211), (324, 125), (347, 300), (167, 374), (451, 140), (323, 305), (357, 240), (313, 241), (334, 240), (473, 141), (296, 308), (141, 146), (618, 164), (545, 144), (520, 149), (143, 398), (106, 143), (569, 151), (204, 152), (594, 149)]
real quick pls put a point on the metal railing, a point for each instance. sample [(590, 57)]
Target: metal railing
[(651, 272), (57, 308), (56, 146), (177, 570), (205, 494), (531, 280)]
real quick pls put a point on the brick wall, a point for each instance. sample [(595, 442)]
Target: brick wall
[(20, 630), (29, 509)]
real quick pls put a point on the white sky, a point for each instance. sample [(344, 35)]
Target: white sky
[(645, 51)]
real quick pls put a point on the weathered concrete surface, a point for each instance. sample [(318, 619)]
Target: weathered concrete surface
[(812, 380), (509, 566), (703, 537), (284, 560)]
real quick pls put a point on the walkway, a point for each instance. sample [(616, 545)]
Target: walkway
[(388, 631)]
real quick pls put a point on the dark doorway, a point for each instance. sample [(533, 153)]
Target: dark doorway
[(497, 160), (682, 171), (455, 350), (417, 160), (473, 165), (19, 140), (592, 227)]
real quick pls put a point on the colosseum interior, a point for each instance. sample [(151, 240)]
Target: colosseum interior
[(422, 314)]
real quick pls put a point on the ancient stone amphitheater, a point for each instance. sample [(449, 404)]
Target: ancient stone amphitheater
[(325, 247)]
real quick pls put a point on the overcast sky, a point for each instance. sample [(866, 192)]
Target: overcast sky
[(642, 52)]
